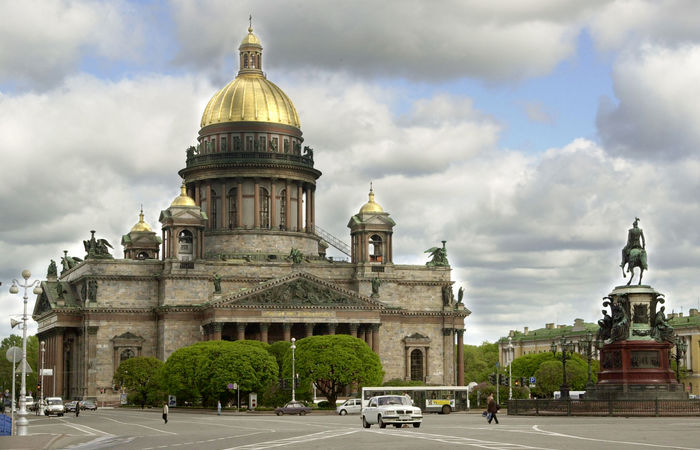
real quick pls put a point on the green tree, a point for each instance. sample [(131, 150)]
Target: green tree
[(6, 366), (333, 362), (204, 370), (141, 376), (480, 361), (550, 376)]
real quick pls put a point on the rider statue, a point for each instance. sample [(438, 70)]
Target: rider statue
[(635, 239)]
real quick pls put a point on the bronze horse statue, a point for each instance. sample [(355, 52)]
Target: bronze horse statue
[(637, 257)]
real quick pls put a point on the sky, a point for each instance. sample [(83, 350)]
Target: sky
[(527, 134)]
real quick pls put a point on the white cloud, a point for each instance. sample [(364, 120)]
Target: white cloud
[(659, 104), (46, 41)]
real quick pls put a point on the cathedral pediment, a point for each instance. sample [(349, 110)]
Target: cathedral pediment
[(300, 290)]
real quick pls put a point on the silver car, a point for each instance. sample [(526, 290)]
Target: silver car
[(350, 406), (391, 409), (54, 405)]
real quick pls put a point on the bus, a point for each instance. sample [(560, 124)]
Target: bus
[(439, 399)]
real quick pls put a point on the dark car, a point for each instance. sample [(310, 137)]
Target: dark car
[(70, 406), (88, 404), (293, 408)]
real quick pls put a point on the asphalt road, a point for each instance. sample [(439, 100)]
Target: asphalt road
[(136, 429)]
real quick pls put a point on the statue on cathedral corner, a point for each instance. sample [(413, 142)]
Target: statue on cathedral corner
[(376, 282), (52, 272), (217, 283), (97, 248), (438, 255)]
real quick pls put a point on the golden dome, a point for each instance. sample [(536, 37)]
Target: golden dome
[(250, 97), (141, 225), (183, 199), (371, 206), (250, 39)]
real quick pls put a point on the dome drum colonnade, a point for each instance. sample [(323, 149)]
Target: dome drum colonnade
[(248, 173)]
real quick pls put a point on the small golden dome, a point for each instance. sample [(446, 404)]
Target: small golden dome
[(141, 225), (250, 39), (371, 206), (183, 199), (250, 97)]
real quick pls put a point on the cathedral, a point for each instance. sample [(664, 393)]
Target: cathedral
[(239, 256)]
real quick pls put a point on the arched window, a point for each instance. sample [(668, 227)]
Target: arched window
[(232, 208), (186, 245), (245, 61), (126, 354), (417, 365), (215, 208), (142, 255), (283, 209), (375, 248), (264, 208)]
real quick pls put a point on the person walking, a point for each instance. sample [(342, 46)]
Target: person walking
[(492, 408), (165, 412), (77, 409), (218, 408)]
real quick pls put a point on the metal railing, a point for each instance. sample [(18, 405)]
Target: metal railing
[(213, 158), (332, 240), (657, 407)]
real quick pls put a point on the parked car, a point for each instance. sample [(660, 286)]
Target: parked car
[(350, 406), (54, 405), (29, 403), (391, 409), (70, 406), (88, 404), (293, 408)]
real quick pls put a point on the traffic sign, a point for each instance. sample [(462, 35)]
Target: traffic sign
[(14, 354), (532, 380)]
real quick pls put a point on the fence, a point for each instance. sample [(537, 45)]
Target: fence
[(548, 407)]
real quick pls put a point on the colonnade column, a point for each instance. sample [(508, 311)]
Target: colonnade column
[(263, 332), (224, 207), (273, 205), (309, 329), (240, 328), (288, 207), (216, 331), (312, 190), (58, 349), (256, 208), (309, 229), (375, 338), (331, 328), (300, 211), (368, 338), (353, 329), (287, 331), (460, 357), (239, 203)]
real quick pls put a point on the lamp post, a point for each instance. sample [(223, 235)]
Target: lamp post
[(589, 341), (41, 383), (22, 421), (293, 376), (510, 363), (566, 349), (681, 348)]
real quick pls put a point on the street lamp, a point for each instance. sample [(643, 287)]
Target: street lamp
[(589, 341), (41, 383), (681, 348), (22, 421), (510, 363), (566, 350), (293, 376)]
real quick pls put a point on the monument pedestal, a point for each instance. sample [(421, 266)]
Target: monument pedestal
[(635, 366)]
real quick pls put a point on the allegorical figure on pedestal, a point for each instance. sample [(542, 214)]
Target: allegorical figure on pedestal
[(634, 253), (661, 330)]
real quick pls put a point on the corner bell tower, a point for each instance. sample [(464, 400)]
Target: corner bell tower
[(371, 233)]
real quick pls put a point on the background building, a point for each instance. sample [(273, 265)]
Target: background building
[(239, 256)]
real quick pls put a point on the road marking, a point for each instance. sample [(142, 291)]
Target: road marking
[(139, 425), (456, 440), (296, 440), (236, 436), (644, 444), (85, 428)]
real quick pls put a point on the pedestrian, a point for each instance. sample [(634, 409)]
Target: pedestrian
[(77, 409), (165, 412), (218, 408), (492, 408)]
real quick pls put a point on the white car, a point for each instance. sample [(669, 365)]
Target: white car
[(391, 409), (54, 405), (350, 406)]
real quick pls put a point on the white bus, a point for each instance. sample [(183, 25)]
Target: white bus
[(439, 399)]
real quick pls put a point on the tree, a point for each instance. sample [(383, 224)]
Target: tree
[(6, 366), (479, 361), (204, 370), (334, 362), (140, 375), (550, 376)]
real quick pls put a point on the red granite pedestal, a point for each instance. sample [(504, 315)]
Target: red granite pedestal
[(636, 370)]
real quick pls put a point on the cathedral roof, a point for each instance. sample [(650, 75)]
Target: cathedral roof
[(183, 199), (141, 225), (371, 206)]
